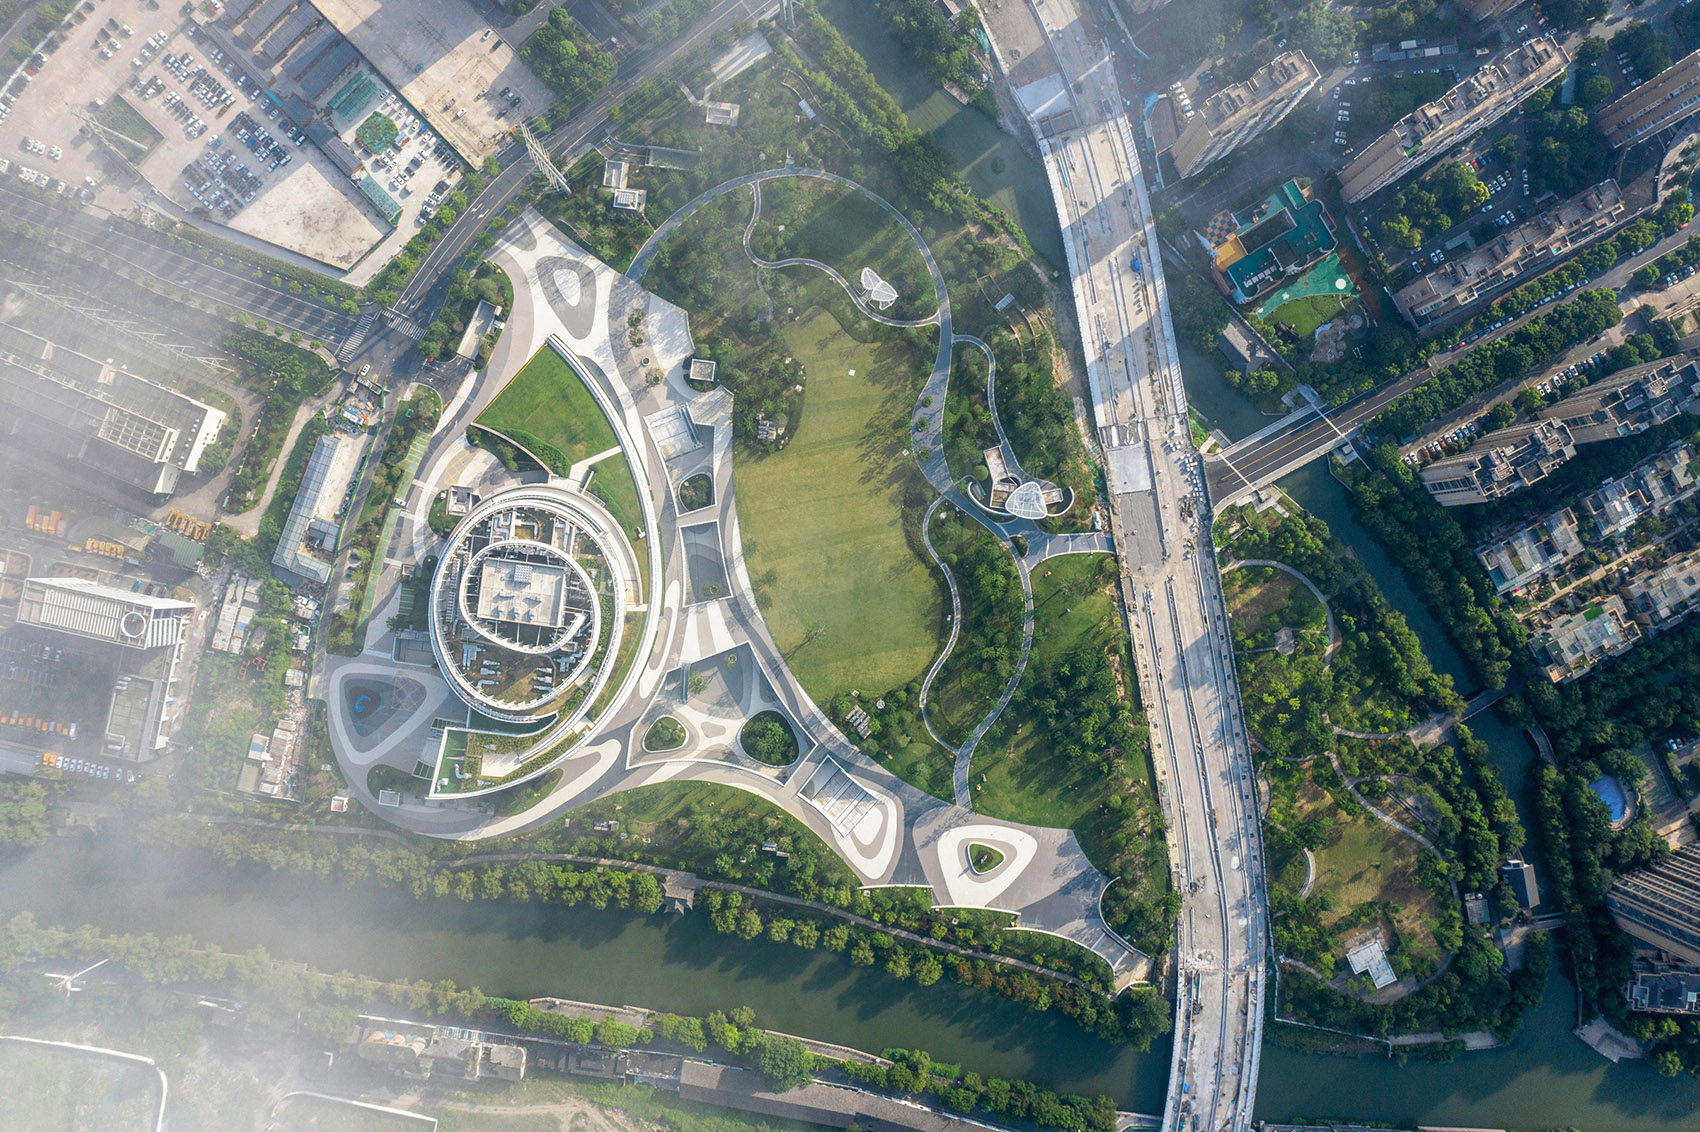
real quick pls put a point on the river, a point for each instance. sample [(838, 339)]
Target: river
[(1546, 1078), (676, 963)]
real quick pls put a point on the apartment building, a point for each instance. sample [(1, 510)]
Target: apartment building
[(1474, 104), (1238, 114)]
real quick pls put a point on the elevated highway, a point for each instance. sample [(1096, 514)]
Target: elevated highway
[(1160, 519)]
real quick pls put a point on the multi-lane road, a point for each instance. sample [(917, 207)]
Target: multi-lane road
[(1161, 522)]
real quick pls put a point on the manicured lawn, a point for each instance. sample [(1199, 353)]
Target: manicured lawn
[(1305, 314), (848, 601), (611, 482), (548, 409), (843, 228)]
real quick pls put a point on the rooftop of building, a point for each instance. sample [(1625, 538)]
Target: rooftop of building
[(1511, 75), (1275, 238), (1502, 260), (127, 426), (1655, 101)]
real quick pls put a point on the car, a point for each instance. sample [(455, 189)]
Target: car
[(365, 369)]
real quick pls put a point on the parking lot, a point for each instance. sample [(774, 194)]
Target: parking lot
[(202, 116), (228, 155)]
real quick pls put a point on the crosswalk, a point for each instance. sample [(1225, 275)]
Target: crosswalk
[(353, 342), (395, 320)]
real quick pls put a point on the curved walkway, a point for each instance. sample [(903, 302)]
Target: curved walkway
[(1009, 455), (928, 456), (1315, 591)]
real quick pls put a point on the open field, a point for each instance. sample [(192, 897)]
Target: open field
[(1365, 876), (548, 410), (849, 601), (1307, 312), (1262, 601), (840, 227), (1029, 779)]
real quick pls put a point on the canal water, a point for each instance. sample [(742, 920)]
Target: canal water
[(676, 963)]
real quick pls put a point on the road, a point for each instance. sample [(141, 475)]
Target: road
[(1170, 587), (119, 240)]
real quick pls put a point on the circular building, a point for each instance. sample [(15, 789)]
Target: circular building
[(529, 596)]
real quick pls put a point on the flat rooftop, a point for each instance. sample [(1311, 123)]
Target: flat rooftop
[(439, 54), (524, 593)]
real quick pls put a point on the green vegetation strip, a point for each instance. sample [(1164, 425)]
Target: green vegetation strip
[(549, 410)]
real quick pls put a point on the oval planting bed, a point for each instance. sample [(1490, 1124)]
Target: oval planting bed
[(768, 738), (982, 858), (665, 734)]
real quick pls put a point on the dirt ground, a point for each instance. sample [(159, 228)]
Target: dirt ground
[(440, 54)]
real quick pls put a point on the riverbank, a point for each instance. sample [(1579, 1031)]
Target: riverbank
[(533, 950)]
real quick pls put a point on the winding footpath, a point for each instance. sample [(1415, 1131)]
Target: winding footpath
[(929, 405)]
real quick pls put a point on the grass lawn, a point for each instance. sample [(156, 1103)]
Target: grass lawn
[(1263, 600), (611, 481), (979, 668), (851, 605), (548, 409), (846, 230), (121, 116), (1308, 312), (1369, 862), (1026, 781)]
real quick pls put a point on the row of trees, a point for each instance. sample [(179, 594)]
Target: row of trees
[(1388, 499), (1137, 1016), (717, 838), (567, 60), (1535, 343), (947, 52)]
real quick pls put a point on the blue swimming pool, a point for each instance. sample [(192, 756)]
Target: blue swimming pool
[(1611, 793)]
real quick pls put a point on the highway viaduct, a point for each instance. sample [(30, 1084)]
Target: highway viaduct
[(1160, 519)]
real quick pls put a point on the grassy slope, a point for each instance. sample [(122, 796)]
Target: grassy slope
[(848, 231), (1369, 862), (548, 401), (1025, 781), (853, 606)]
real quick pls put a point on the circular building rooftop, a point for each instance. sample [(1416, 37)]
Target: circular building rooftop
[(526, 596)]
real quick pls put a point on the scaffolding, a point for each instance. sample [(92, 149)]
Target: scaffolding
[(540, 157)]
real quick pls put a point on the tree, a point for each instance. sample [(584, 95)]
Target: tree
[(1596, 90), (785, 1063), (1326, 33), (1501, 415)]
